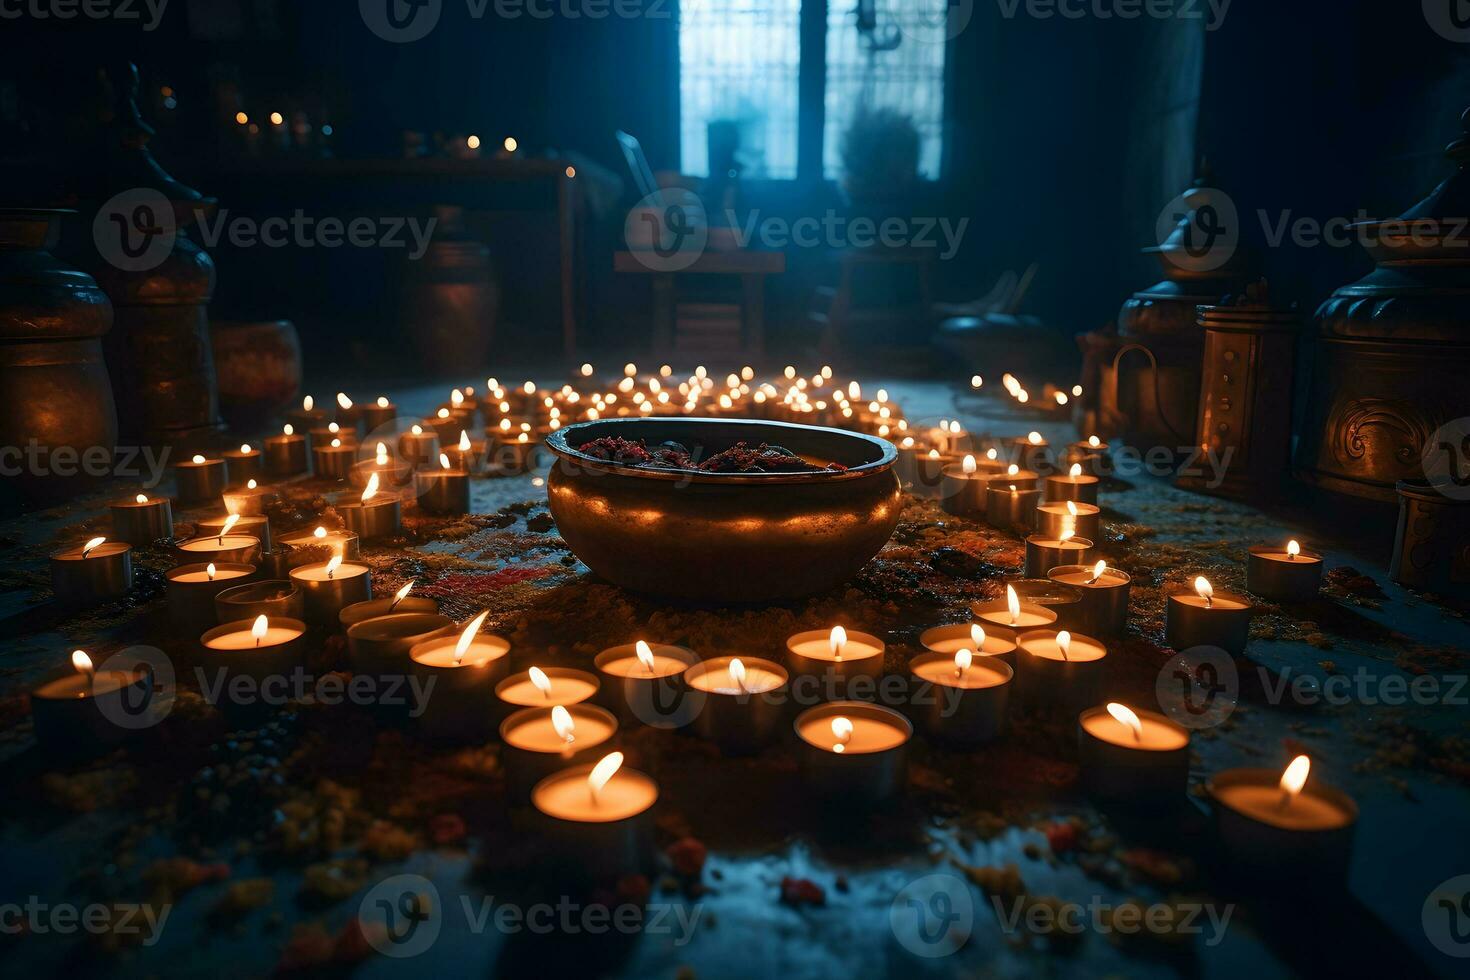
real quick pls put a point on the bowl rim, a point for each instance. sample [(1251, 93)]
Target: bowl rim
[(557, 443)]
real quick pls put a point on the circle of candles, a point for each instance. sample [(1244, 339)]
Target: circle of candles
[(1074, 485), (285, 454), (1084, 519), (379, 647), (597, 820), (444, 489), (276, 598), (836, 656), (307, 416), (419, 445), (1010, 507), (949, 640), (93, 572), (261, 649), (964, 488), (399, 602), (744, 706), (1130, 756), (257, 526), (375, 515), (328, 586), (1012, 615), (141, 519), (639, 677), (1281, 827), (251, 500), (540, 741), (192, 589), (1059, 668), (198, 480), (544, 687), (244, 464), (76, 712), (1104, 607), (1043, 554), (962, 698), (1031, 452), (1286, 574), (332, 461), (378, 414), (1205, 617), (319, 544), (464, 668), (853, 752)]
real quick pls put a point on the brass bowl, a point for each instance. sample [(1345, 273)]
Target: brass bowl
[(724, 537)]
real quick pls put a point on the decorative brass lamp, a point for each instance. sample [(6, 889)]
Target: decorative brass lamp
[(1393, 349)]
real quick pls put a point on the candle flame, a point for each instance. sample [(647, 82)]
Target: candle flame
[(1069, 530), (540, 681), (561, 721), (1064, 644), (1126, 717), (1094, 441), (333, 428), (645, 654), (319, 533), (530, 386), (977, 636), (1012, 470), (81, 662), (1293, 549), (1098, 569), (336, 443), (968, 466), (468, 636), (417, 430), (245, 448), (962, 661), (587, 370), (197, 459), (141, 498), (1071, 508), (1013, 604), (464, 441), (456, 398), (308, 403), (343, 400), (382, 401), (251, 484), (229, 523), (258, 629), (443, 461), (371, 490), (1206, 592), (1075, 471), (837, 641), (210, 571), (443, 413), (333, 563), (737, 672), (1294, 778), (603, 771), (400, 595), (288, 429), (842, 731)]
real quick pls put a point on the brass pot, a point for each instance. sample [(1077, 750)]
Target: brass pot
[(259, 369), (55, 384), (724, 537)]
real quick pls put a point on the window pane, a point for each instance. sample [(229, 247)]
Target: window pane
[(738, 62), (910, 78)]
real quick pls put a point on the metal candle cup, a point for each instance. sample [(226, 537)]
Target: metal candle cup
[(1095, 460), (236, 650), (458, 705), (569, 686), (332, 462), (647, 693), (320, 438), (239, 549), (274, 598), (305, 419), (79, 713), (997, 616), (1143, 768), (597, 838), (285, 455), (419, 448), (869, 766), (1276, 574), (248, 501), (929, 473), (241, 467), (311, 548), (470, 460), (810, 654), (255, 526), (964, 493), (326, 595), (391, 472), (142, 523), (532, 749), (1031, 455), (1224, 622), (963, 707), (379, 647), (1054, 518), (1104, 606), (191, 592), (380, 517), (199, 483), (376, 416), (739, 719), (442, 491), (1260, 841), (360, 612), (1043, 554), (1082, 488), (82, 577), (1011, 508), (949, 640), (1048, 677)]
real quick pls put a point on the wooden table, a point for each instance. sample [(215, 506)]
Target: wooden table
[(751, 266)]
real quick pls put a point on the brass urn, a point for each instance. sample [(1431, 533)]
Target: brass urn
[(1393, 348)]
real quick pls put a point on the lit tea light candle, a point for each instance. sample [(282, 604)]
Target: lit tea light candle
[(467, 454), (1075, 485), (1012, 615), (379, 414), (1284, 574), (198, 480), (255, 526), (1059, 668), (598, 820), (537, 742), (81, 711), (251, 500), (328, 586), (419, 445), (1032, 452), (389, 470), (853, 752), (972, 637), (1279, 827), (543, 687), (1011, 505), (319, 544), (516, 454), (261, 649), (1104, 607), (94, 572), (324, 435), (960, 697), (379, 647), (191, 590), (285, 454), (445, 490), (928, 478), (835, 656), (274, 598), (308, 416), (744, 701), (243, 464), (348, 414), (332, 461), (222, 545), (640, 678), (141, 520), (1205, 617), (375, 515), (399, 602), (1092, 453), (964, 489), (464, 669), (1043, 553), (1084, 519), (1132, 757)]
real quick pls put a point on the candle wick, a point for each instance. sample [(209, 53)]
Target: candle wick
[(1209, 602), (1285, 800)]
